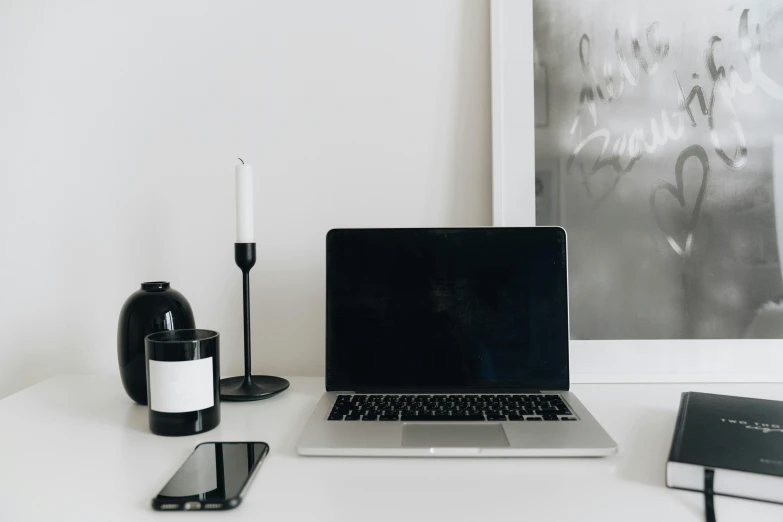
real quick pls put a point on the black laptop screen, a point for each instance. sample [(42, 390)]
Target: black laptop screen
[(447, 309)]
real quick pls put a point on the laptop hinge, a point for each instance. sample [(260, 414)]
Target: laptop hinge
[(435, 390)]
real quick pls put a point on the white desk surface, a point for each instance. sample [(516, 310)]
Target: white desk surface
[(77, 448)]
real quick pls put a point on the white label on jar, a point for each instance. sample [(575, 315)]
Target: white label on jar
[(180, 386)]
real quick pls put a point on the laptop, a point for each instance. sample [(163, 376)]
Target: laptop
[(449, 342)]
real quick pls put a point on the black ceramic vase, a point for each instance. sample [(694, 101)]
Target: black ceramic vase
[(154, 308)]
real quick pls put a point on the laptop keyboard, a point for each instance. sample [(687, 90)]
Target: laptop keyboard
[(370, 408)]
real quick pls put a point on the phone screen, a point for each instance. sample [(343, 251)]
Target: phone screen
[(213, 477)]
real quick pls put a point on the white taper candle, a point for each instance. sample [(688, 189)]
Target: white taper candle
[(244, 183)]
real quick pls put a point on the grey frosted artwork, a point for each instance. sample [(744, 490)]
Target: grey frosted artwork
[(656, 131)]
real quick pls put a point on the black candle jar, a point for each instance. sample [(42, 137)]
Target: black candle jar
[(183, 373)]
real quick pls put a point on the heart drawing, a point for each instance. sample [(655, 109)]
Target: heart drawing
[(694, 151)]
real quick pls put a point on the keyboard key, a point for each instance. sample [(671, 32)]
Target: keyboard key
[(551, 417), (568, 418), (514, 417), (534, 418), (335, 416), (441, 418), (369, 417), (352, 417), (389, 417), (495, 416)]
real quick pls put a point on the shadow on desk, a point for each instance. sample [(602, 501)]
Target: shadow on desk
[(137, 418), (647, 448), (302, 418)]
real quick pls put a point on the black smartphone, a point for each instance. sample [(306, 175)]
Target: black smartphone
[(215, 476)]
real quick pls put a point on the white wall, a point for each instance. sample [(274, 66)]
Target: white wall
[(120, 126)]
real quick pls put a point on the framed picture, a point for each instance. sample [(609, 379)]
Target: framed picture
[(541, 93), (657, 143), (547, 190)]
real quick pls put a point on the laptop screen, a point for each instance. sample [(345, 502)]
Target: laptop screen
[(446, 309)]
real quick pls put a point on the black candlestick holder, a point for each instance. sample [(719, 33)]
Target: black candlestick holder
[(249, 387)]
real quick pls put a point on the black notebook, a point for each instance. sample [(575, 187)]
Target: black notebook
[(740, 439)]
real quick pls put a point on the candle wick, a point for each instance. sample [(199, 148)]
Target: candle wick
[(240, 159)]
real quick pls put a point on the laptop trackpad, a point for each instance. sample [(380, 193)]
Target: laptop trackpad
[(454, 436)]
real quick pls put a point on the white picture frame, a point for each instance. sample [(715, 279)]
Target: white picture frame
[(513, 151)]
